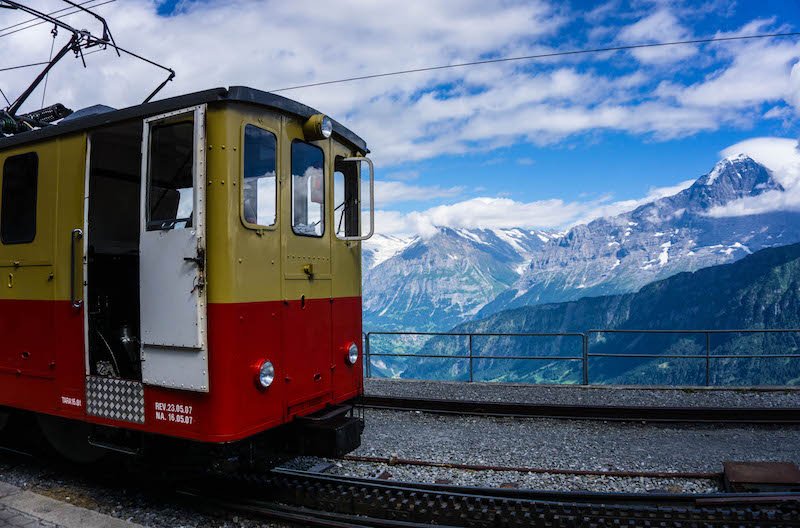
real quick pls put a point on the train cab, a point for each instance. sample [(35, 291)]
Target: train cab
[(186, 269)]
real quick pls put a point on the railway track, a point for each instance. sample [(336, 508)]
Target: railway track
[(392, 461), (730, 415), (324, 500)]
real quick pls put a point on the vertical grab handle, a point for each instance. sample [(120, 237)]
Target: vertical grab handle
[(371, 199), (77, 235)]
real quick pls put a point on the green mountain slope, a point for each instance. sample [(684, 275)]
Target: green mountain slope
[(757, 292)]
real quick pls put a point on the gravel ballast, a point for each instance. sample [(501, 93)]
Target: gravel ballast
[(557, 445), (586, 395), (573, 444)]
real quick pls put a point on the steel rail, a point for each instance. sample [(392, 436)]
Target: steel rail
[(396, 461), (728, 415), (377, 502)]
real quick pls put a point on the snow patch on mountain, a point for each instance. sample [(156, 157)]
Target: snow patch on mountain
[(381, 248)]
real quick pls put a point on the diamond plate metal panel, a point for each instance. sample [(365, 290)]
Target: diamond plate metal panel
[(115, 399)]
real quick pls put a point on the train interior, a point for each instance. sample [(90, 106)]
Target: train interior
[(112, 294)]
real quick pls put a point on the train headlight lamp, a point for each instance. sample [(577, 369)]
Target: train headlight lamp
[(318, 126), (352, 354), (266, 374)]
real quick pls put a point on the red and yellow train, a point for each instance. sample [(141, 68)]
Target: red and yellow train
[(184, 271)]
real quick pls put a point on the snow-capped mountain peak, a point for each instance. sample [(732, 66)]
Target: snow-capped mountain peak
[(621, 254)]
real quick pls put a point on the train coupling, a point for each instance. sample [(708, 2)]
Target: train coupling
[(331, 432)]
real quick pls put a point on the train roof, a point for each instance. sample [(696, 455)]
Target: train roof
[(235, 94)]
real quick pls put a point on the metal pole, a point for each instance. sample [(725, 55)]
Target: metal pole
[(470, 358), (708, 359), (366, 355), (586, 359)]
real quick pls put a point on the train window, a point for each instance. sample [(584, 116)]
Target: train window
[(18, 207), (345, 196), (170, 199), (308, 190), (259, 191)]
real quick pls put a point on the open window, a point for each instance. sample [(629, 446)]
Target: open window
[(348, 202), (170, 199)]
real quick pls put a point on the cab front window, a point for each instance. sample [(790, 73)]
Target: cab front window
[(308, 190)]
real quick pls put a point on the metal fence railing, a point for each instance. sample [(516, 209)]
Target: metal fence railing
[(585, 340)]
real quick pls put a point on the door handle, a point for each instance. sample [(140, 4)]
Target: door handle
[(200, 259), (77, 235)]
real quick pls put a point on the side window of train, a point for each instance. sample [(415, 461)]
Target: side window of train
[(170, 200), (18, 206), (345, 198), (308, 189), (259, 189)]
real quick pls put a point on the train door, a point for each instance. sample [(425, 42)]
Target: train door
[(172, 251), (28, 262), (306, 247)]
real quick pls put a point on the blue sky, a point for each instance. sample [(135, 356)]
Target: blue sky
[(538, 144)]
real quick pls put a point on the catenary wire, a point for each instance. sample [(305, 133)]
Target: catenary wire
[(31, 65), (51, 13), (540, 56), (59, 17)]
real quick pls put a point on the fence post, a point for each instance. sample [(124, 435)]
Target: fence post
[(470, 358), (708, 359), (585, 353), (366, 355)]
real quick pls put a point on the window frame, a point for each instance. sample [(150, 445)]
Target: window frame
[(275, 133), (177, 118), (337, 159), (35, 155), (325, 209)]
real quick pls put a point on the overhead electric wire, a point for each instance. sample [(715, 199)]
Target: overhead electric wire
[(51, 13), (540, 56), (45, 22), (31, 65)]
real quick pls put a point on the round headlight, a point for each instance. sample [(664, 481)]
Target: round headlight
[(352, 354), (266, 374), (318, 126)]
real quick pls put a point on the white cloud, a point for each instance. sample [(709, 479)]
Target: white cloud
[(759, 72), (387, 192), (270, 44), (499, 212), (661, 26), (794, 87)]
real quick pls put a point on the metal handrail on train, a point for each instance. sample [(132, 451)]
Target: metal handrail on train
[(586, 353)]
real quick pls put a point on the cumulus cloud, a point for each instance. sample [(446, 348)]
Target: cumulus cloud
[(661, 26), (389, 192), (499, 212), (271, 44), (794, 87)]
